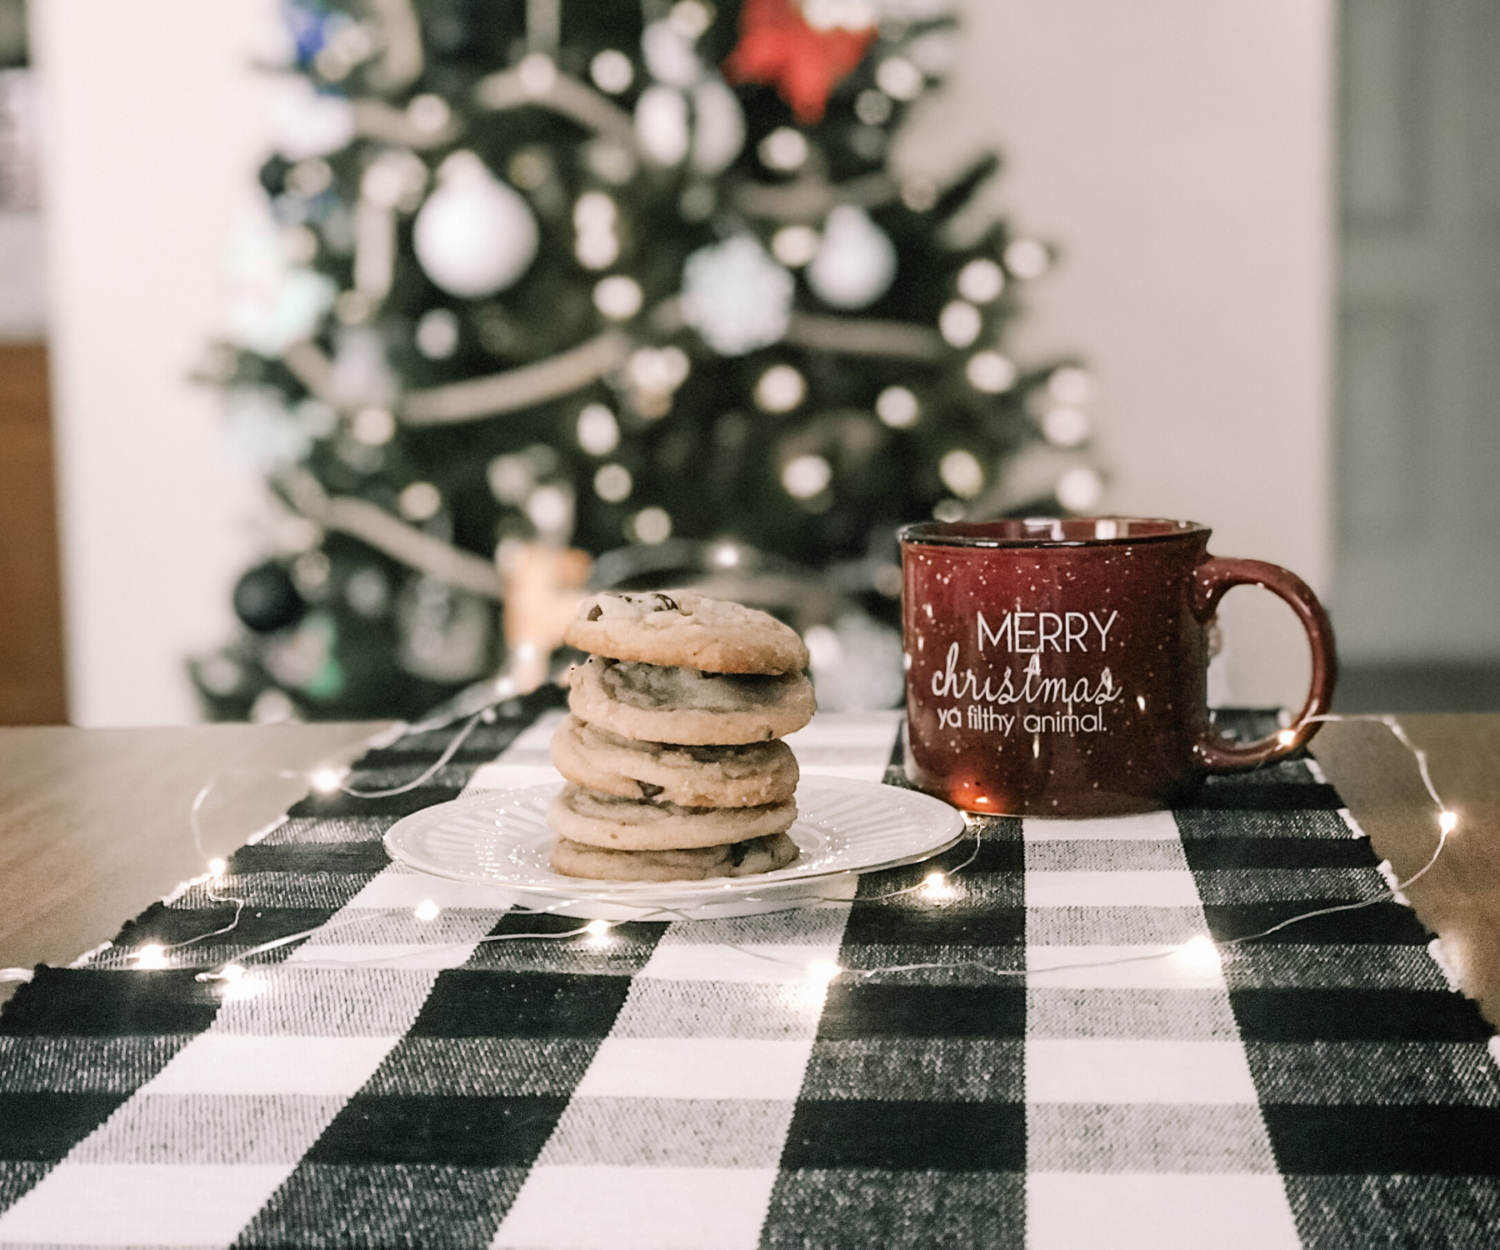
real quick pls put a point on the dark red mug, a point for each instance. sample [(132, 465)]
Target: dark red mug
[(1059, 668)]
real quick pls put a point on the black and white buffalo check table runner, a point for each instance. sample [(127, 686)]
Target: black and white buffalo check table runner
[(1034, 1051)]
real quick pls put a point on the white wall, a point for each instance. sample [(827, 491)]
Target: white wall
[(23, 301), (1179, 154), (154, 135)]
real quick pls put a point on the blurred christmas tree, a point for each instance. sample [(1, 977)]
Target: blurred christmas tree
[(632, 279)]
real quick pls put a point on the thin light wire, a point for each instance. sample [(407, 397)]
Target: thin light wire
[(239, 909), (973, 828), (1393, 894), (799, 902), (375, 961), (1395, 726), (486, 714)]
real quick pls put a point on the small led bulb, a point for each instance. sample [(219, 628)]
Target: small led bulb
[(935, 885), (1199, 955)]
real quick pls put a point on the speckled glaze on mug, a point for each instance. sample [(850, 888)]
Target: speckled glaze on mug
[(1059, 668)]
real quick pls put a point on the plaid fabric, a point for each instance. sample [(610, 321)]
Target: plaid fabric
[(1035, 1052)]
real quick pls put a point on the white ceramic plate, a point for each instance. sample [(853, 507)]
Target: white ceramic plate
[(501, 838)]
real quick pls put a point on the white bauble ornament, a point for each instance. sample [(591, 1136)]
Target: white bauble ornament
[(475, 235), (661, 125), (669, 55), (840, 14), (718, 127), (856, 263), (736, 297), (670, 124), (305, 123)]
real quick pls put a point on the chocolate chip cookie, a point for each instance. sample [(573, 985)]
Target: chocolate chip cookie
[(622, 824), (688, 706), (739, 859), (690, 776), (671, 756), (681, 628)]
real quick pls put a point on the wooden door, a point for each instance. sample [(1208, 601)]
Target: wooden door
[(1418, 430), (31, 646)]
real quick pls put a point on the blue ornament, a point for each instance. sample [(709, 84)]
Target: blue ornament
[(309, 26)]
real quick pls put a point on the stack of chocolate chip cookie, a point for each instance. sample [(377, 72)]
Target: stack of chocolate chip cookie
[(674, 767)]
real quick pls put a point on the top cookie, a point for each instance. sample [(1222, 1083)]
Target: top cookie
[(682, 628)]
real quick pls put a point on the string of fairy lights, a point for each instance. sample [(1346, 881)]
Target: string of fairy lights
[(1198, 957)]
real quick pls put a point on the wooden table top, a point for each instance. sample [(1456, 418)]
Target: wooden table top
[(95, 823), (1459, 899)]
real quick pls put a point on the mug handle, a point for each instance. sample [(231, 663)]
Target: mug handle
[(1216, 754)]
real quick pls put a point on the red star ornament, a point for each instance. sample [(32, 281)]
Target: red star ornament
[(778, 48)]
